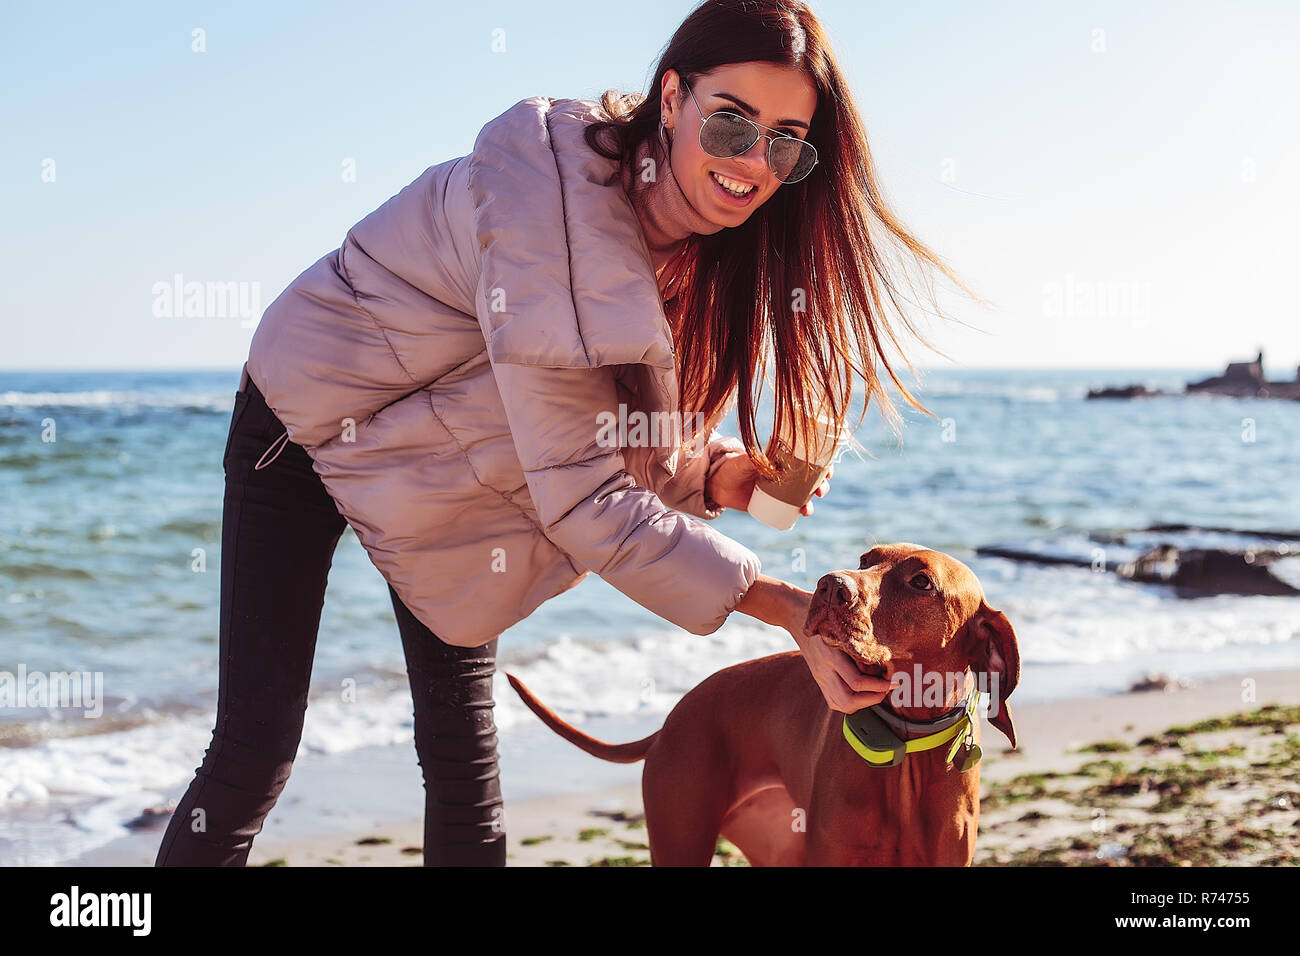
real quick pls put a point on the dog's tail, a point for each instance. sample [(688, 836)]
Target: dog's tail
[(615, 753)]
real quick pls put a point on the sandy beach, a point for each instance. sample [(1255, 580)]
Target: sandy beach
[(1199, 775)]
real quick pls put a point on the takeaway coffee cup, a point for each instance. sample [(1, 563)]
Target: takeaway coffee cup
[(803, 469)]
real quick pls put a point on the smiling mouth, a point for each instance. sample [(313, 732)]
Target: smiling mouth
[(734, 190)]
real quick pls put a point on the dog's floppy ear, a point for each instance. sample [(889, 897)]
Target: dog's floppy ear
[(994, 650)]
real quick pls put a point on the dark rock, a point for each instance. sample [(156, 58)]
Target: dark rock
[(1033, 557), (1246, 380), (1192, 572), (152, 818), (1203, 571), (1161, 682), (1252, 532), (1122, 391)]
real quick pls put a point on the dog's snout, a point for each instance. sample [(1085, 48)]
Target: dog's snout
[(837, 590)]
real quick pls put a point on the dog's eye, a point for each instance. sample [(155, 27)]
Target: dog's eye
[(921, 582)]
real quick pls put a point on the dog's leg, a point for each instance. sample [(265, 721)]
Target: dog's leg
[(686, 796), (768, 828)]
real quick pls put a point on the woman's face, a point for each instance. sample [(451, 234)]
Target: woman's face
[(767, 93)]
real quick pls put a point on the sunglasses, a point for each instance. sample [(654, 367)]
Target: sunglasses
[(725, 134)]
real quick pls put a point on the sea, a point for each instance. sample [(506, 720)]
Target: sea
[(110, 548)]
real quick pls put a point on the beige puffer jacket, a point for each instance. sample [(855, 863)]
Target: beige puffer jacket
[(446, 368)]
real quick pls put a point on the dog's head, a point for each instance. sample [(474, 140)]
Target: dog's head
[(906, 606)]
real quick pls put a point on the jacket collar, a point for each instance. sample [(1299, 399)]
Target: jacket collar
[(557, 233)]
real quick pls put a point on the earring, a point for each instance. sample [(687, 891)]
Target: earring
[(663, 135)]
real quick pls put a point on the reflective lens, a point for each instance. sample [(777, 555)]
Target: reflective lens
[(725, 135), (791, 159)]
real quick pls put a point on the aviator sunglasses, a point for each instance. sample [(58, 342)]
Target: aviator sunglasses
[(724, 135)]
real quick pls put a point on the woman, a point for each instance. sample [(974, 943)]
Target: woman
[(442, 383)]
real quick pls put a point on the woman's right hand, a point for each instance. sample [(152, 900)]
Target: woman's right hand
[(845, 688)]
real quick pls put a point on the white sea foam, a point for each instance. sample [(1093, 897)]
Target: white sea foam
[(126, 400)]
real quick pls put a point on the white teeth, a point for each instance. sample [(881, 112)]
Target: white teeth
[(735, 188)]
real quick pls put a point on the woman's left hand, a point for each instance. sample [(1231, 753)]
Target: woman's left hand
[(821, 491), (732, 484)]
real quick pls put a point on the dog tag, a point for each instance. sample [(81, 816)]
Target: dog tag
[(962, 737), (972, 758)]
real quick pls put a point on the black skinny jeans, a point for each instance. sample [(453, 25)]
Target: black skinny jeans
[(278, 534)]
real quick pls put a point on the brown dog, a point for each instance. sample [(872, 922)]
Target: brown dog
[(754, 754)]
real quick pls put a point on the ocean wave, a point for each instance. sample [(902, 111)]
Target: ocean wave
[(1003, 390), (586, 679), (579, 679), (124, 400), (42, 570)]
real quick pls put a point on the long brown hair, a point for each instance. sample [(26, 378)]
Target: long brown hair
[(807, 272)]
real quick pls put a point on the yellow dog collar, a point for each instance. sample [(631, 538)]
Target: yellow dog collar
[(877, 744)]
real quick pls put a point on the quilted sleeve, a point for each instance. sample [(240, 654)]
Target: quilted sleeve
[(668, 562), (685, 490)]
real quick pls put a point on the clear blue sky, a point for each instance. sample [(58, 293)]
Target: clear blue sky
[(1159, 171)]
